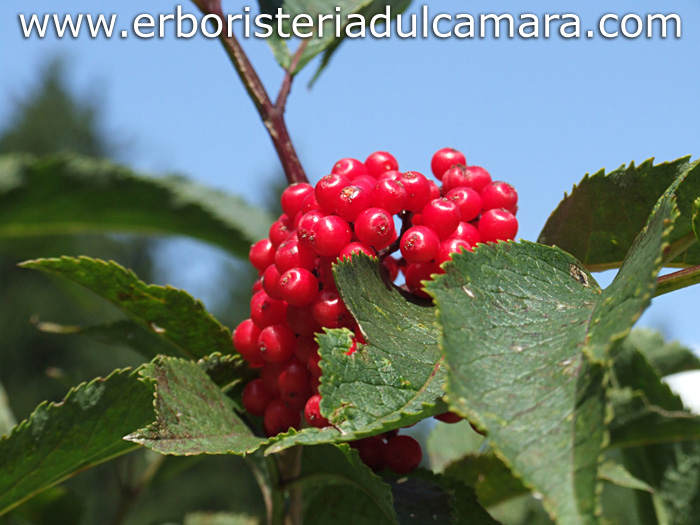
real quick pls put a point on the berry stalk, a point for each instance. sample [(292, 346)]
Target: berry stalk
[(677, 280), (272, 114)]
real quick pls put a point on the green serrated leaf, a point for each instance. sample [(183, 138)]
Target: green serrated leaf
[(171, 314), (7, 418), (672, 469), (193, 415), (600, 219), (696, 218), (338, 485), (220, 518), (395, 380), (71, 194), (665, 357), (226, 371), (618, 475), (62, 439)]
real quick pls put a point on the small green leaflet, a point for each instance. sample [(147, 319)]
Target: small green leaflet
[(7, 419), (665, 357), (171, 314)]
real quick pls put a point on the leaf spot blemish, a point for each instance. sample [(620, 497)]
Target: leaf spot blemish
[(468, 292), (578, 274), (157, 329), (517, 348)]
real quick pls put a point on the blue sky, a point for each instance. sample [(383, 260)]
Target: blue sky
[(537, 113)]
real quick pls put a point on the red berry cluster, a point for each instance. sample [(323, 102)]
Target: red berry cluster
[(354, 210)]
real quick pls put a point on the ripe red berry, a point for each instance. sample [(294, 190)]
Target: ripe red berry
[(389, 195), (418, 272), (468, 201), (305, 225), (419, 244), (310, 203), (380, 162), (330, 234), (266, 311), (500, 195), (328, 189), (312, 412), (293, 384), (375, 227), (392, 267), (389, 175), (298, 286), (450, 247), (291, 254), (351, 201), (276, 343), (262, 254), (372, 451), (350, 168), (477, 178), (468, 233), (293, 197), (356, 247), (449, 417), (444, 159), (279, 418), (304, 348), (245, 341), (417, 190), (497, 225), (301, 320), (402, 454), (442, 216), (434, 190), (280, 230), (313, 364), (329, 310), (270, 282), (256, 397), (365, 182), (268, 375)]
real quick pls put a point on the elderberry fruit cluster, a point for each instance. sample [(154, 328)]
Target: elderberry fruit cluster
[(409, 222)]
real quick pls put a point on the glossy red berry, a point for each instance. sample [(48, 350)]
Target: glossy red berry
[(402, 454), (389, 175), (270, 282), (497, 225), (468, 201), (450, 247), (351, 201), (365, 182), (313, 364), (305, 225), (305, 347), (328, 189), (416, 273), (300, 319), (449, 417), (500, 195), (419, 244), (329, 310), (477, 178), (391, 266), (276, 343), (298, 287), (279, 417), (467, 232), (372, 451), (356, 247), (442, 216), (388, 194), (256, 397), (444, 159), (310, 203), (245, 341), (350, 168), (291, 254), (330, 235), (375, 226), (417, 190), (293, 384), (280, 230), (293, 197), (454, 177), (268, 375), (266, 311), (312, 412), (262, 254), (380, 162)]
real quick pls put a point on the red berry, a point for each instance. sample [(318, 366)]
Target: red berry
[(468, 233), (270, 282), (389, 175), (500, 195), (279, 418), (325, 270), (304, 228), (497, 224), (329, 310), (434, 190), (468, 201), (314, 383), (301, 320), (291, 254), (265, 311), (419, 244), (245, 341), (350, 168), (262, 254), (375, 227), (268, 375), (356, 247), (351, 201), (280, 230), (389, 195), (257, 285), (313, 364), (392, 267), (365, 182), (417, 190), (310, 203), (402, 454), (477, 178), (293, 196), (276, 343), (256, 397), (328, 189), (442, 216), (449, 247), (293, 384), (449, 417), (444, 159), (372, 451), (298, 286), (330, 234), (304, 348), (380, 162), (418, 272), (312, 412)]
